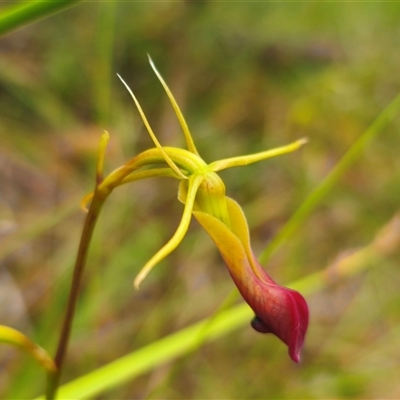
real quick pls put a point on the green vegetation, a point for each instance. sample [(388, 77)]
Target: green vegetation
[(248, 77)]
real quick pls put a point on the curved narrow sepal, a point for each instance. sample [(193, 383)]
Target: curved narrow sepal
[(16, 338), (167, 159), (194, 183), (252, 158), (105, 138), (189, 140)]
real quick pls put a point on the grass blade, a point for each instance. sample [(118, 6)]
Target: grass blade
[(21, 15)]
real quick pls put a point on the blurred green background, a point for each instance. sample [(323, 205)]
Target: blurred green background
[(248, 76)]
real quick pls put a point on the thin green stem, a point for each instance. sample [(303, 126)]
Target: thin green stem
[(87, 233), (21, 15)]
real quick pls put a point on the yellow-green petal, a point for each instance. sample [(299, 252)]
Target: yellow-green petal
[(252, 158), (178, 112), (194, 183), (151, 133), (105, 138)]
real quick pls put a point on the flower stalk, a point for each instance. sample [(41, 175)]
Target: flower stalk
[(92, 216)]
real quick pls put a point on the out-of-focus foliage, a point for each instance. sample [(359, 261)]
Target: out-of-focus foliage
[(248, 76)]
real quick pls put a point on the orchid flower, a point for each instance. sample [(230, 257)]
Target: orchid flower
[(277, 309)]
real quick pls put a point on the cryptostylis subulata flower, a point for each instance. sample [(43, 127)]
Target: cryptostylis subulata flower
[(277, 309)]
